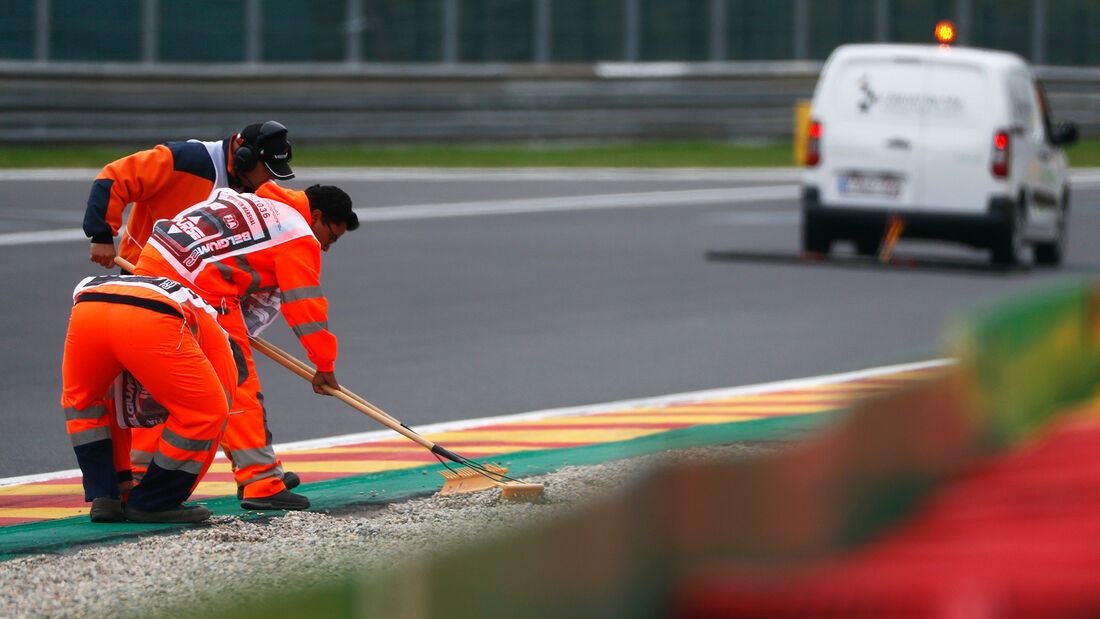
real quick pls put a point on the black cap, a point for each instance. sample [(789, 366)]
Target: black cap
[(272, 147)]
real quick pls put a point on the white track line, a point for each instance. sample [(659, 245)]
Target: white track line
[(572, 203), (790, 175), (689, 397), (1083, 177), (504, 207), (42, 236), (473, 174)]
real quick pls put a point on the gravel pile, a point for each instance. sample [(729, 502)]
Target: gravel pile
[(230, 556)]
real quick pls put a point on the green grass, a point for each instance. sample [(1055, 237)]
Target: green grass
[(686, 154), (656, 154), (645, 155), (1085, 153)]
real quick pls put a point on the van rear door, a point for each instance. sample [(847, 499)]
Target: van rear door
[(906, 132), (958, 108), (870, 144)]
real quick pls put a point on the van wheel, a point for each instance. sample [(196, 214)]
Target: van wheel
[(1009, 244), (815, 236), (1051, 254)]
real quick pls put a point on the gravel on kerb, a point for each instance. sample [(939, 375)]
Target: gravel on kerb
[(143, 577)]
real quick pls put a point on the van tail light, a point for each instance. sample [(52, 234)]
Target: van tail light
[(813, 144), (1001, 143)]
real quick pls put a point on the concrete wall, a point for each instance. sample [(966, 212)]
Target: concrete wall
[(409, 102)]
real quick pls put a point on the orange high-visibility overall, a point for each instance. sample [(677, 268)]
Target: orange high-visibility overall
[(160, 182), (298, 199), (234, 245), (169, 339)]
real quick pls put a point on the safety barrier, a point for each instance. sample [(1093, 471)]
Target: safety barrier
[(380, 103), (1018, 365)]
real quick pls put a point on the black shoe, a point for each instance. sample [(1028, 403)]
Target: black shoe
[(183, 513), (290, 480), (106, 509), (283, 500)]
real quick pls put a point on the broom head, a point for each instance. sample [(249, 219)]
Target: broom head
[(519, 491), (464, 479)]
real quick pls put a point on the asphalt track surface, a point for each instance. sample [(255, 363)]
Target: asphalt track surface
[(477, 294)]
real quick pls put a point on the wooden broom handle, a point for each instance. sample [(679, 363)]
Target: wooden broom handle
[(301, 369), (344, 395), (285, 356)]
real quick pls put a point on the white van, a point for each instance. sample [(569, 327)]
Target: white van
[(956, 142)]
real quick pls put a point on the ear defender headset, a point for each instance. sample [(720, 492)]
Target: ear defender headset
[(250, 152)]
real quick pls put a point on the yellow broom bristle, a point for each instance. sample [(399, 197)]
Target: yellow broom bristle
[(468, 480)]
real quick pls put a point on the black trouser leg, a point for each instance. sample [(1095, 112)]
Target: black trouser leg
[(97, 465), (161, 489)]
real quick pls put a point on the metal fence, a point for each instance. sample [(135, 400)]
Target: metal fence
[(1056, 32), (463, 70)]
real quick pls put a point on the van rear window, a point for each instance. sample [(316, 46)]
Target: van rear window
[(909, 93)]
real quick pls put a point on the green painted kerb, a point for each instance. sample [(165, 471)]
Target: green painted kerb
[(346, 492), (1033, 356)]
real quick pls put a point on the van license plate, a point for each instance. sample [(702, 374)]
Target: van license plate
[(880, 185)]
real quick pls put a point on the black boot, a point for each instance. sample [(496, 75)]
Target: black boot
[(290, 480), (182, 513), (106, 509), (283, 500), (160, 496)]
